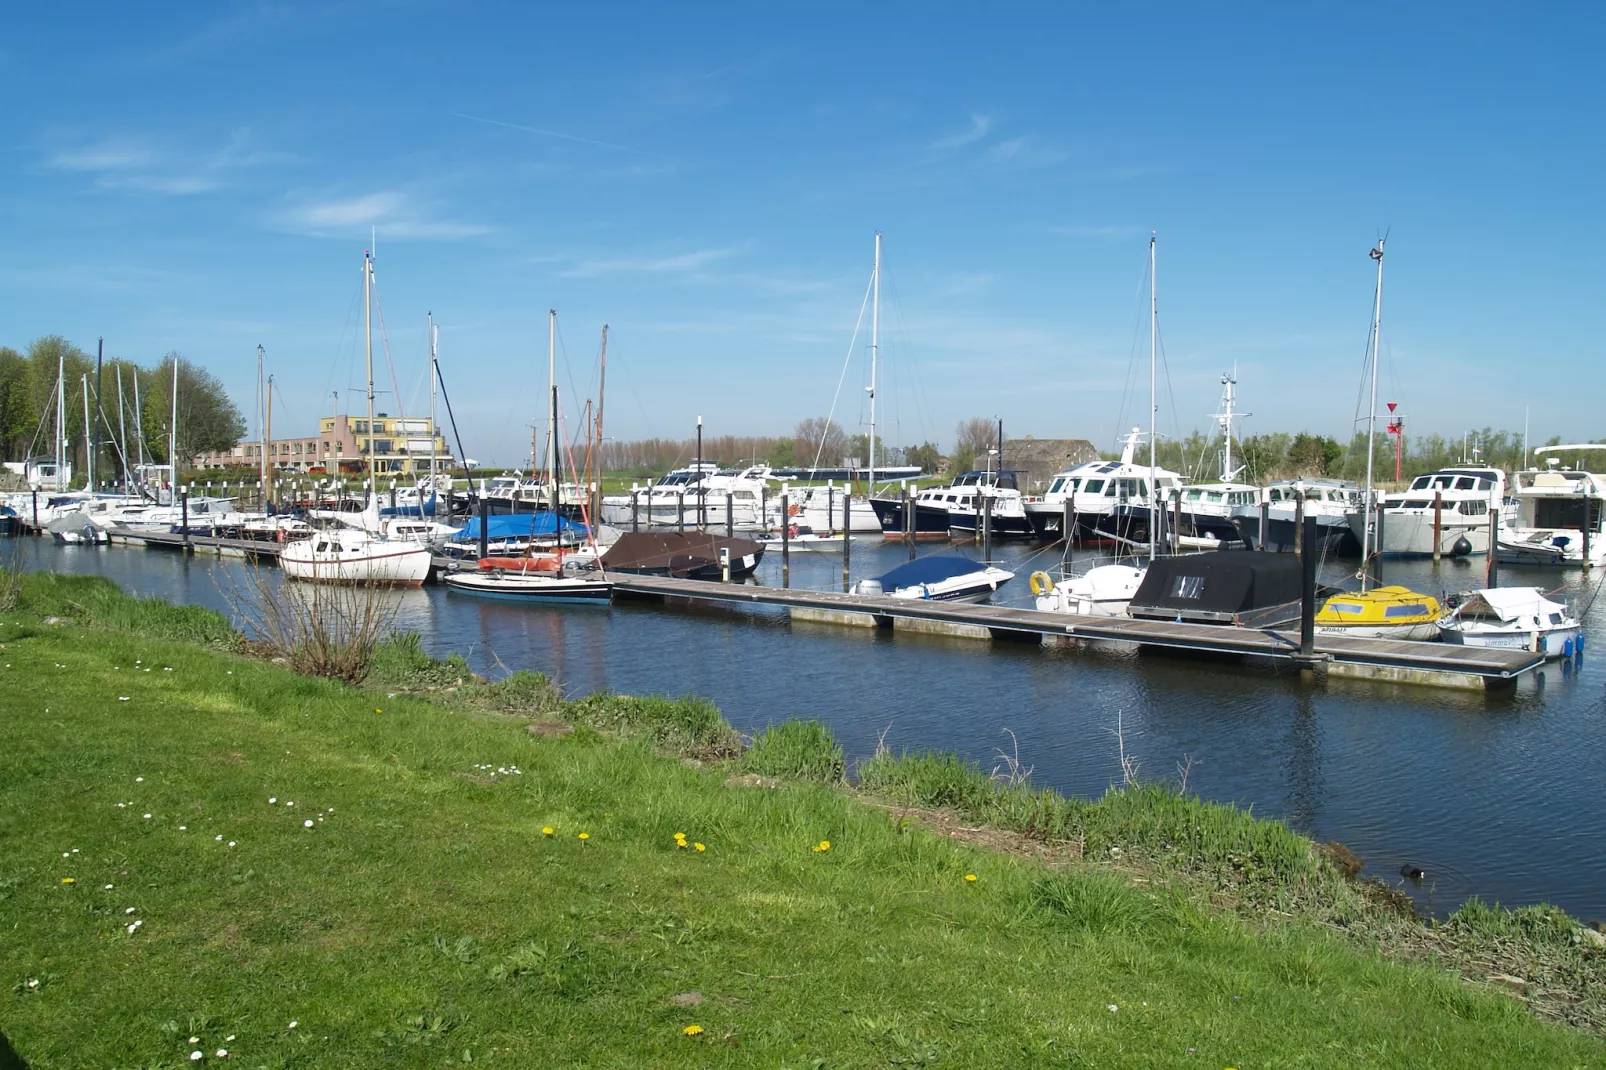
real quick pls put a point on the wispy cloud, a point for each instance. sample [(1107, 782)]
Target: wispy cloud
[(396, 214), (1023, 152), (682, 264), (980, 125), (129, 164), (558, 134)]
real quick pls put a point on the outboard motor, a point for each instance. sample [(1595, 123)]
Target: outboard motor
[(1461, 548), (871, 587)]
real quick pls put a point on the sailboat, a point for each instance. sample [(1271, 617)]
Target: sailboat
[(361, 553), (533, 577), (1390, 612), (1107, 590)]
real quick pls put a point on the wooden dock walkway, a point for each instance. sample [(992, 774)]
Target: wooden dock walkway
[(167, 540), (1437, 664)]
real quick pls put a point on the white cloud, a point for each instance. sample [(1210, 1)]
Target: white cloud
[(395, 213), (979, 126), (123, 163), (681, 264)]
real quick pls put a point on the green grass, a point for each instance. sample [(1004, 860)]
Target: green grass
[(797, 750), (425, 918)]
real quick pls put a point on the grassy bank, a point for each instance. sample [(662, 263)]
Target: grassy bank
[(451, 886)]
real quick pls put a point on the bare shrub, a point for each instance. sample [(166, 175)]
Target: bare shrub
[(319, 629)]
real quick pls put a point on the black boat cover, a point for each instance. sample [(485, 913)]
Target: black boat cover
[(933, 569), (692, 555), (1229, 586)]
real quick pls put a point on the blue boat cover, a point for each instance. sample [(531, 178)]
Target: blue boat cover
[(519, 525), (933, 569)]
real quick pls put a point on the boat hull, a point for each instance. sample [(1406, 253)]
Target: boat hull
[(1552, 643), (930, 521), (1420, 632), (397, 568), (966, 525), (530, 589), (1410, 534), (1333, 534)]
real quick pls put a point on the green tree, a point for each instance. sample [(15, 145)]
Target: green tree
[(925, 455)]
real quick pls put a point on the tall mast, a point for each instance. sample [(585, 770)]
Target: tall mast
[(262, 428), (122, 429), (1224, 420), (1154, 340), (552, 381), (100, 360), (89, 442), (875, 346), (172, 433), (602, 384), (368, 355), (61, 419), (267, 438), (1371, 418), (434, 337), (139, 421)]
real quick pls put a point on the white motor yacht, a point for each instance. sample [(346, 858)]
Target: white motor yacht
[(1046, 511), (1330, 501), (1103, 591), (1559, 516), (1462, 497)]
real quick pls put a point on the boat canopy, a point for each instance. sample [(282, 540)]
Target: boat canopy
[(1228, 586), (1509, 603), (519, 525), (928, 570)]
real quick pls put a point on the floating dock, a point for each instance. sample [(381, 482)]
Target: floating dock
[(1388, 660), (210, 544)]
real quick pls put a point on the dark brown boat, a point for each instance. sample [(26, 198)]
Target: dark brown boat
[(690, 556)]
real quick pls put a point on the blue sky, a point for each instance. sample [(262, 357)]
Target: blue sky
[(203, 177)]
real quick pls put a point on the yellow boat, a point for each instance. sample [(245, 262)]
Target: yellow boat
[(1381, 613)]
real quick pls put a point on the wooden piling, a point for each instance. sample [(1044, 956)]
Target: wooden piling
[(1307, 591), (1438, 524), (847, 528), (1493, 577), (786, 541)]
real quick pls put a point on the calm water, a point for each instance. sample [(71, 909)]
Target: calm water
[(1500, 795)]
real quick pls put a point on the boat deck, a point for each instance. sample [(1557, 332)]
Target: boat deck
[(1397, 660)]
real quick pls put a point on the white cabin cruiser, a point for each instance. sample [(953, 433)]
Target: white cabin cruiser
[(1464, 495), (1559, 517), (1046, 511), (1330, 501), (1103, 591), (1112, 500), (1513, 618), (940, 578)]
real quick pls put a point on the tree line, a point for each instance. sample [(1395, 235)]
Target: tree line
[(816, 440), (207, 418)]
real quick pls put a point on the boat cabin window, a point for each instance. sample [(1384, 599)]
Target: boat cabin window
[(1337, 496), (1313, 494), (1486, 484), (1555, 618), (1135, 487), (1192, 495), (1345, 607), (1213, 496), (1189, 587), (1094, 486), (1465, 483), (1243, 497), (1274, 495), (1408, 609), (1473, 508), (1054, 487), (1421, 483), (322, 547)]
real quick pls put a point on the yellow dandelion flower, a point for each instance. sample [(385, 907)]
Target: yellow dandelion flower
[(680, 835), (546, 830), (970, 876), (68, 880), (692, 1031), (682, 844), (585, 835), (823, 845), (699, 847)]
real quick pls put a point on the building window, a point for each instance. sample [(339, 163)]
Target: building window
[(382, 446), (360, 427)]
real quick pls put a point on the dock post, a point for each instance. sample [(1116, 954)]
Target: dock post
[(846, 498), (763, 507), (1265, 524), (680, 512), (1377, 544), (1438, 523), (909, 511), (485, 531), (1307, 589), (786, 542), (1494, 546), (184, 519), (986, 527), (1299, 525), (635, 510), (1176, 522), (36, 511), (1068, 528), (1587, 521), (830, 508), (730, 516), (724, 564)]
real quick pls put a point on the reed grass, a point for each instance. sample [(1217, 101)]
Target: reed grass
[(797, 750)]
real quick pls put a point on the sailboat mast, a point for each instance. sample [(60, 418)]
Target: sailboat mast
[(267, 438), (262, 430), (602, 387), (1226, 456), (1371, 417), (122, 429), (89, 442), (1154, 339), (875, 346), (368, 355), (61, 419), (552, 382), (172, 434), (434, 338)]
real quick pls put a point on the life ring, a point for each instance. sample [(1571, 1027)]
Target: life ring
[(1041, 583), (794, 509)]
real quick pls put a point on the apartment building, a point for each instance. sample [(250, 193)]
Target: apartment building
[(345, 444)]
